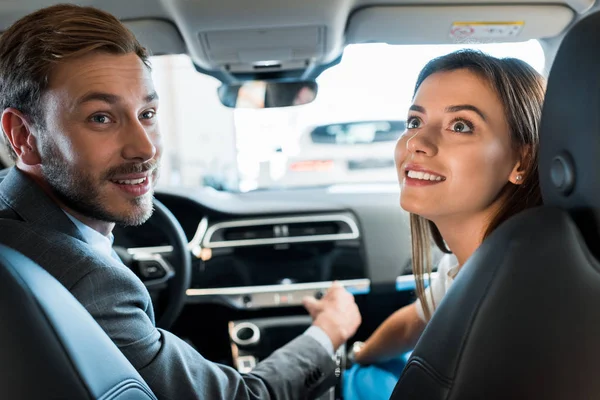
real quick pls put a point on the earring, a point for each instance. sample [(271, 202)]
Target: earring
[(519, 178)]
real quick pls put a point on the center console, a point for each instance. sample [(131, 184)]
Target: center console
[(253, 264), (253, 340)]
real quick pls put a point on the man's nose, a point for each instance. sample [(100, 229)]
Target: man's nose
[(139, 142)]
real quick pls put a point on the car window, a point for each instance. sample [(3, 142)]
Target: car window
[(360, 108), (362, 132)]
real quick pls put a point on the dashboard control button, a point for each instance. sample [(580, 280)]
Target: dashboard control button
[(245, 333)]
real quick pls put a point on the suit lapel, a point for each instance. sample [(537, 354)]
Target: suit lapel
[(33, 205)]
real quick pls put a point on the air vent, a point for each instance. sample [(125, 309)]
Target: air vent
[(248, 232), (314, 228)]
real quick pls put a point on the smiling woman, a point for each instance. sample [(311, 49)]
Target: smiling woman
[(466, 162), (482, 135), (467, 152)]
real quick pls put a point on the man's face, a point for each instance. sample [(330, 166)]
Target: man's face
[(100, 144)]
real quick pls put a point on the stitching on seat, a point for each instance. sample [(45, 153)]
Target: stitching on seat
[(125, 385), (419, 362)]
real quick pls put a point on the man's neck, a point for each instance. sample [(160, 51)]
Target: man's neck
[(105, 228)]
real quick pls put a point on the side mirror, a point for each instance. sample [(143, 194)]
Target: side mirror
[(262, 94)]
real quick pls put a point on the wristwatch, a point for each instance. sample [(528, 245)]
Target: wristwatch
[(356, 346)]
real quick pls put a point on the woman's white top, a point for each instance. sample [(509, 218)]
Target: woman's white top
[(446, 272)]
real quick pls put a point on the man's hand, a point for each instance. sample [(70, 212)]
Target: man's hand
[(336, 314)]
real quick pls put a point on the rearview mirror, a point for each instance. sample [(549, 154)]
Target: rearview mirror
[(261, 94)]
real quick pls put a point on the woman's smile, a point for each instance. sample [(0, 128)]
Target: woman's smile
[(416, 175)]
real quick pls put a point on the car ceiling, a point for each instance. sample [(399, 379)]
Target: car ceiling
[(231, 38)]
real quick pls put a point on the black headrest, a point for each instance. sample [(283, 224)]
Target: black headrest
[(51, 346), (570, 129)]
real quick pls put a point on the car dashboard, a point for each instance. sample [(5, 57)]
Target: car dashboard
[(248, 253), (256, 255)]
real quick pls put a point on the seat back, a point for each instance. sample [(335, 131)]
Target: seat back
[(521, 320), (51, 346)]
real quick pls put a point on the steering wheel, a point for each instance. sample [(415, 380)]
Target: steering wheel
[(167, 276)]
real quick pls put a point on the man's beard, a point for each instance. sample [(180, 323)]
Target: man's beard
[(80, 191)]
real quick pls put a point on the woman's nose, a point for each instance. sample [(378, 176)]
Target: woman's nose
[(422, 141)]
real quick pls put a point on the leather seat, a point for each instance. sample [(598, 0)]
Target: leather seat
[(51, 348), (522, 320)]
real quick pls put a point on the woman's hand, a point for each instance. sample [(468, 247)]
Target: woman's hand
[(353, 354), (396, 335)]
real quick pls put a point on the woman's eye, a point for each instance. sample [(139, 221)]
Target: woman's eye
[(461, 127), (413, 123), (100, 119)]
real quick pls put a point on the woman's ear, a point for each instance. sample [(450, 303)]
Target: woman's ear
[(517, 175), (18, 133)]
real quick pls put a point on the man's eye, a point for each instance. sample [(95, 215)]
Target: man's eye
[(413, 123), (461, 127), (148, 114), (100, 119)]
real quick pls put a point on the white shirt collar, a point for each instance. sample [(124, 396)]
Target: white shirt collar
[(100, 243)]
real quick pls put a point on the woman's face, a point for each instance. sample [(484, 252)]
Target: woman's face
[(456, 155)]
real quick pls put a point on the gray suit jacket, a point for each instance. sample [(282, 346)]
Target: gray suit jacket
[(33, 224)]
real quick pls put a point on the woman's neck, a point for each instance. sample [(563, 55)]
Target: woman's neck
[(463, 235)]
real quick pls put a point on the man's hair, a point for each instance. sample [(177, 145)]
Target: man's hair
[(35, 44)]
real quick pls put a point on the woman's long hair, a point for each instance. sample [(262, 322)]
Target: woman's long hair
[(521, 90)]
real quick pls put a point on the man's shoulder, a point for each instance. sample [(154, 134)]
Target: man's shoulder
[(6, 212), (4, 172), (65, 257), (22, 199)]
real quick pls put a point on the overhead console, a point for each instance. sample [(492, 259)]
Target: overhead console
[(276, 261), (264, 49)]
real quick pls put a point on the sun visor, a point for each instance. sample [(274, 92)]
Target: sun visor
[(158, 36), (456, 24)]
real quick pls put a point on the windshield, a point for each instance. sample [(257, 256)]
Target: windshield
[(346, 135)]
